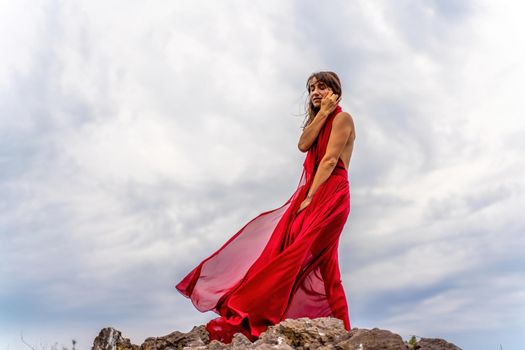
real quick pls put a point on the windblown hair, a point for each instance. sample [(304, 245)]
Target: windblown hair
[(332, 81)]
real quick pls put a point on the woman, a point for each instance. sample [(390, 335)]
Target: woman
[(284, 262)]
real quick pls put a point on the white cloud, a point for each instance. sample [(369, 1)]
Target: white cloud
[(135, 140)]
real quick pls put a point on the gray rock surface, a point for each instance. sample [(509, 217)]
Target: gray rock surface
[(111, 339), (378, 339), (325, 333), (434, 344), (197, 337)]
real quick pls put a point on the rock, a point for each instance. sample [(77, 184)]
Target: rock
[(305, 333), (111, 339), (435, 344), (217, 345), (377, 339), (324, 333), (272, 347), (240, 340), (197, 337)]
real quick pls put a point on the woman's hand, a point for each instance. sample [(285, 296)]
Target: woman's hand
[(329, 102), (304, 204)]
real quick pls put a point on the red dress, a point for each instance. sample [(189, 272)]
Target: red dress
[(281, 264)]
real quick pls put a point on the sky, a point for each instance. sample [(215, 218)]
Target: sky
[(136, 138)]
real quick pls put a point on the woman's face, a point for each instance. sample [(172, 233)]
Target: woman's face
[(317, 91)]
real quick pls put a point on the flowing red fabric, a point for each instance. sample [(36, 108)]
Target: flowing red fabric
[(281, 264)]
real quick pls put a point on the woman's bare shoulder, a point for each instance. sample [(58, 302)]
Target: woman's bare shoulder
[(344, 118), (344, 114)]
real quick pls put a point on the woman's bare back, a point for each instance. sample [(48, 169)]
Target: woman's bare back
[(346, 154)]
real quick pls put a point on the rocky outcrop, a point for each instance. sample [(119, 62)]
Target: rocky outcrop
[(325, 333), (434, 344), (111, 339)]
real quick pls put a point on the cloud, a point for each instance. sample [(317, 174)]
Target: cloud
[(135, 140)]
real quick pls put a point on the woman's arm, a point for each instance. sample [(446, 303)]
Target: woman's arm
[(342, 129), (328, 104), (311, 131)]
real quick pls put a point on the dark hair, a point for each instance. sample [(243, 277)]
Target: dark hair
[(332, 81)]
